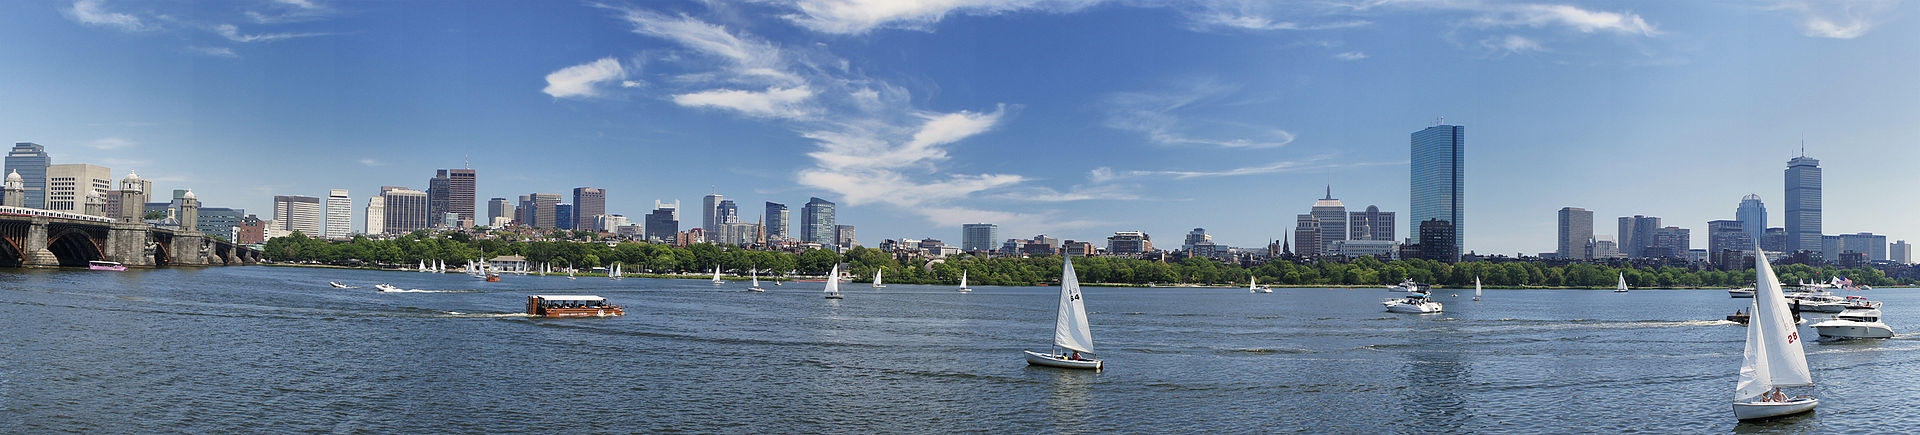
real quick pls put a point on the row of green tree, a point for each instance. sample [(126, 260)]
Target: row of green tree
[(456, 248)]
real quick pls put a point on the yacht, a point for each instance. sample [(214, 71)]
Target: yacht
[(1859, 302), (1821, 302), (1741, 293), (1408, 286), (1854, 323), (1412, 303)]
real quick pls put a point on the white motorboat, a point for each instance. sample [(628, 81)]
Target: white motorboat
[(1476, 288), (1859, 302), (1774, 358), (1738, 293), (1408, 286), (1413, 303), (716, 276), (756, 282), (876, 279), (1854, 323), (385, 288), (963, 282), (1072, 336), (833, 283), (1819, 302), (339, 285), (1622, 288)]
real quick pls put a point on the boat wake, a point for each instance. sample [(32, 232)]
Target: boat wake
[(427, 291), (457, 314)]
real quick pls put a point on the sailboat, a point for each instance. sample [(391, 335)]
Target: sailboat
[(423, 265), (1070, 329), (876, 278), (1774, 356), (963, 282), (570, 271), (1476, 288), (1623, 284), (614, 273), (716, 276), (833, 283), (756, 281), (1250, 287)]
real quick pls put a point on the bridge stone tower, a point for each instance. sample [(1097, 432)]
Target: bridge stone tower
[(189, 212), (14, 192), (96, 204), (133, 198)]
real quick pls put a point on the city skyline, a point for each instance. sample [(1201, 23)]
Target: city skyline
[(895, 120)]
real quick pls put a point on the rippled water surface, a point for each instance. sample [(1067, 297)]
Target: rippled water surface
[(254, 349)]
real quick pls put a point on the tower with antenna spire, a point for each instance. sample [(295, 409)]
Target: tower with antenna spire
[(1332, 216)]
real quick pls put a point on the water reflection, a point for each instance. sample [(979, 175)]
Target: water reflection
[(1068, 402)]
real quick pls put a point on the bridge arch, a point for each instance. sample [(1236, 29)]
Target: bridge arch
[(10, 254), (74, 247)]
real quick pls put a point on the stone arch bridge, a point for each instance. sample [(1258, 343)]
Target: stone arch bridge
[(46, 241)]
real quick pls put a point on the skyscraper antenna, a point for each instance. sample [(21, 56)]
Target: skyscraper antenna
[(466, 161)]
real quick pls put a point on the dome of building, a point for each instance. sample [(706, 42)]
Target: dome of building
[(189, 195), (15, 176)]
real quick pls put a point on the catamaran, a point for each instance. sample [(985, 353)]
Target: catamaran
[(716, 276), (756, 282), (833, 283), (963, 282), (1072, 336), (1774, 356), (1623, 284), (876, 279)]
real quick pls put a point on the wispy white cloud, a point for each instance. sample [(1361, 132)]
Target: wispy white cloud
[(1350, 56), (862, 16), (232, 33), (772, 103), (1075, 193), (1165, 117), (1512, 44), (1311, 164), (95, 13), (1264, 15), (1567, 16), (585, 80), (745, 59), (110, 143), (370, 162), (213, 51), (1839, 19)]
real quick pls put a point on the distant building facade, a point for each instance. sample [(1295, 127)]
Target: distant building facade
[(30, 160), (1752, 216), (1372, 224), (298, 213), (661, 226), (376, 215), (68, 186), (405, 210), (1438, 183), (1129, 243), (1436, 241), (1900, 252), (499, 207), (589, 204), (1576, 228), (775, 217), (978, 237), (1332, 215), (1724, 235), (339, 214), (1803, 204), (817, 222)]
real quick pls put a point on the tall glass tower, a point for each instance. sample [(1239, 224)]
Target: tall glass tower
[(1752, 216), (817, 223), (1803, 204), (31, 160), (1438, 184)]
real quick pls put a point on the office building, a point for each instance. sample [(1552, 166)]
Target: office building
[(30, 160), (406, 210), (607, 223), (978, 237), (1752, 216), (843, 236), (1129, 243), (497, 208), (589, 203), (439, 196), (460, 185), (1873, 245), (1636, 234), (1372, 224), (1438, 185), (300, 214), (1576, 228), (69, 186), (817, 222), (1436, 241), (376, 216), (220, 221), (1196, 237), (1306, 235), (1332, 215), (1724, 235), (1900, 252), (1803, 204), (675, 206), (540, 210), (1775, 240), (1669, 242), (1603, 247), (661, 225), (339, 214), (775, 218), (710, 216)]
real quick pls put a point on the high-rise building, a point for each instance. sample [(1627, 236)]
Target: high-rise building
[(1636, 234), (376, 216), (1438, 185), (1669, 242), (675, 206), (499, 207), (1196, 237), (541, 210), (1775, 240), (297, 213), (710, 215), (220, 221), (1332, 215), (1306, 235), (1723, 235), (1576, 228), (589, 203), (978, 237), (339, 214), (31, 161), (843, 236), (1372, 224), (1129, 243), (563, 216), (775, 218), (1436, 241), (406, 210), (1874, 245), (68, 186), (662, 224), (1900, 252), (1602, 247), (460, 184), (439, 195), (816, 222), (1752, 216), (1803, 204)]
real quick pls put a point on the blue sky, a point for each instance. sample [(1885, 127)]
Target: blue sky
[(1073, 118)]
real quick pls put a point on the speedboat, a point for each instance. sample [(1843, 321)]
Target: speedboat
[(1854, 323), (1860, 302), (1817, 302), (1408, 286), (1413, 303), (1741, 317), (1740, 293), (339, 285), (385, 288)]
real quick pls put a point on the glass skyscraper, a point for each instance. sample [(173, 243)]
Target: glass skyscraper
[(1753, 217), (1438, 185), (1803, 204), (776, 221), (816, 222), (978, 237), (31, 160)]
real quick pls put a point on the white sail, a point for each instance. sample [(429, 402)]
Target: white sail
[(1774, 356), (1070, 330), (716, 274), (756, 278), (1476, 286), (876, 277), (833, 280), (963, 279), (1623, 282), (1250, 286)]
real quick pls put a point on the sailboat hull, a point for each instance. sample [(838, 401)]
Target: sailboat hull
[(1757, 410), (1041, 359)]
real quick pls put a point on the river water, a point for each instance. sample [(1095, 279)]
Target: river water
[(267, 349)]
